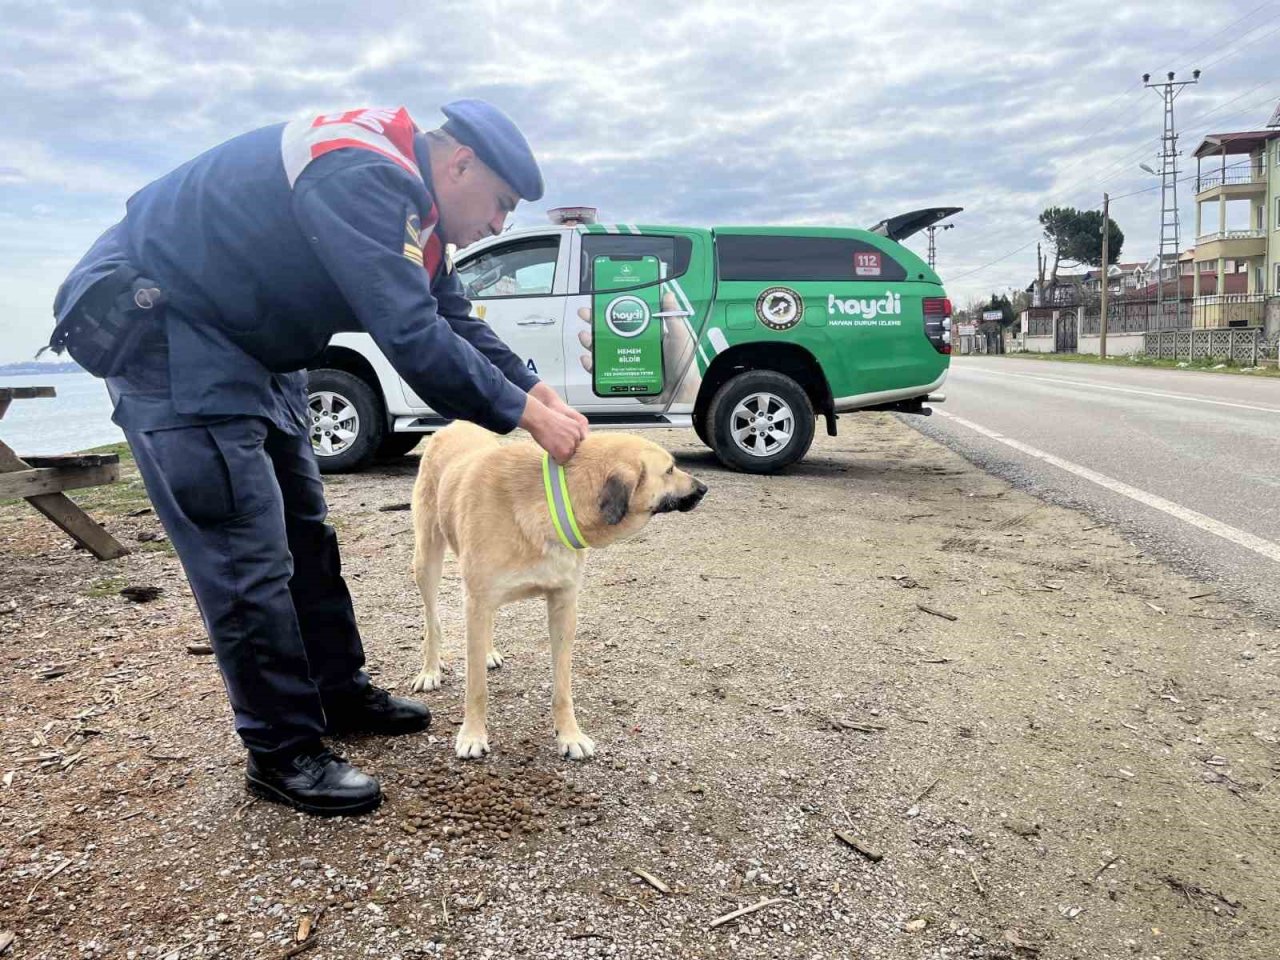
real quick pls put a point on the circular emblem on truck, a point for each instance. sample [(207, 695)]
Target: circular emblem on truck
[(779, 308), (627, 316)]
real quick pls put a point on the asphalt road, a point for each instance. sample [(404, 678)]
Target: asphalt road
[(1186, 463)]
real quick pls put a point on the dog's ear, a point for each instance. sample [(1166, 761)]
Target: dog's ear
[(615, 496)]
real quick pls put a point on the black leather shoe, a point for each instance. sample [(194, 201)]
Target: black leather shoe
[(373, 710), (315, 781)]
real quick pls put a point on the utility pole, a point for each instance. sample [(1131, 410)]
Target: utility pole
[(1106, 275), (1169, 228), (1037, 297), (933, 252)]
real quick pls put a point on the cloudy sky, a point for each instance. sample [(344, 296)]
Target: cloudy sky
[(725, 111)]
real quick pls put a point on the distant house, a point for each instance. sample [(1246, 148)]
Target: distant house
[(1235, 273), (1066, 292), (1122, 278)]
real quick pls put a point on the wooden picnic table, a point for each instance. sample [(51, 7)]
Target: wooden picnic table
[(41, 480)]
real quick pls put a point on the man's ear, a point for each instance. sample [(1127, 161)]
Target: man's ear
[(615, 496), (462, 159)]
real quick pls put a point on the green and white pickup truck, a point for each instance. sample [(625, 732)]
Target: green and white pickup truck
[(745, 334)]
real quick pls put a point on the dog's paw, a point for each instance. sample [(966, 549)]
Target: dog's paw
[(494, 660), (575, 746), (426, 680), (471, 746)]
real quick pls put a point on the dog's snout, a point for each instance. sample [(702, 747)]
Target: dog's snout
[(691, 500)]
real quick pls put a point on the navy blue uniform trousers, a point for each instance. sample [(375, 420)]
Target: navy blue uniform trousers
[(243, 503)]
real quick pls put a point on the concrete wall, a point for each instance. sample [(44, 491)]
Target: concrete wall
[(1271, 323), (1118, 344), (1038, 344)]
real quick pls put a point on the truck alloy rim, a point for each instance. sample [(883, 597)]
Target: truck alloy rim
[(762, 424), (334, 423)]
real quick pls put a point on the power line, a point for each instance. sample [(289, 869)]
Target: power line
[(1190, 176), (969, 273), (1075, 187), (1001, 259), (1128, 158), (1209, 39), (1196, 121), (1079, 185), (1176, 57), (1238, 49), (1233, 49), (1136, 86)]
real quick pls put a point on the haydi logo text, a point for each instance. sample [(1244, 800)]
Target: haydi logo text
[(888, 305)]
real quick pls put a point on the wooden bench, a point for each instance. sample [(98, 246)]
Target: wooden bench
[(41, 480)]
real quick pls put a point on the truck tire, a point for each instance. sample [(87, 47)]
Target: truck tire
[(347, 420), (397, 444), (700, 428), (761, 421)]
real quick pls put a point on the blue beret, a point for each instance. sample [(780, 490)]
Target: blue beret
[(496, 140)]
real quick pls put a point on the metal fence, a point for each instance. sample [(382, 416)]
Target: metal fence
[(1137, 315), (1245, 346), (1232, 327), (1229, 310), (1143, 314), (1040, 321)]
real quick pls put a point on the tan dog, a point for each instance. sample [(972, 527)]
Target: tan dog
[(490, 504)]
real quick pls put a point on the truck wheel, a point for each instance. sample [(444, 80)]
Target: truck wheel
[(760, 422), (347, 422), (700, 428), (397, 444)]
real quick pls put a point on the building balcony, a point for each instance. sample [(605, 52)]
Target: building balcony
[(1231, 245), (1237, 183)]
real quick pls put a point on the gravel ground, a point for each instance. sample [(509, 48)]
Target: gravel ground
[(1071, 753)]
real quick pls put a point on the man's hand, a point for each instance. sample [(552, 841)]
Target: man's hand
[(555, 431), (550, 398)]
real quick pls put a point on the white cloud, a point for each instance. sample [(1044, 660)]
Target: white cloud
[(711, 112)]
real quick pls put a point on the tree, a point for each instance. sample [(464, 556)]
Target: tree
[(1020, 301), (1075, 237), (975, 307)]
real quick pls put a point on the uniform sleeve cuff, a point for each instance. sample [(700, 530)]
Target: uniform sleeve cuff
[(509, 408), (525, 378)]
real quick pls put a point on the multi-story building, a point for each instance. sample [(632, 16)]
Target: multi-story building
[(1237, 226)]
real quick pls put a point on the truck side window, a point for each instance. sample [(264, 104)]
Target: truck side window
[(673, 253), (525, 268), (774, 259)]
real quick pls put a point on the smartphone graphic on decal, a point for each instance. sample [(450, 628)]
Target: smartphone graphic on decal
[(626, 342)]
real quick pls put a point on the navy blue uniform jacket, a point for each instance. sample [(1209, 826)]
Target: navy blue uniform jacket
[(261, 273)]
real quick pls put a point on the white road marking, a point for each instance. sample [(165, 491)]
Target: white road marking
[(1242, 538), (1144, 393)]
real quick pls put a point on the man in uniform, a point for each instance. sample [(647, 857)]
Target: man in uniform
[(222, 281)]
